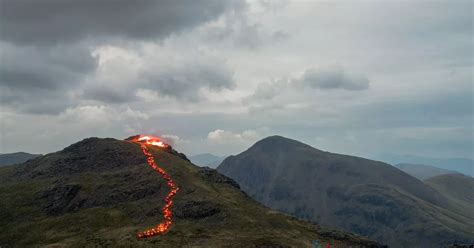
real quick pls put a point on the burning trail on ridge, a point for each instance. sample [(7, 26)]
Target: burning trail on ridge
[(163, 226)]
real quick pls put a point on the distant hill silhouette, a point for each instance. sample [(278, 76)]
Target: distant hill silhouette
[(423, 172), (16, 158), (100, 192), (367, 197), (461, 165), (206, 159)]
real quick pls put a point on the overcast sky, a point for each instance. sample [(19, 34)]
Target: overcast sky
[(354, 77)]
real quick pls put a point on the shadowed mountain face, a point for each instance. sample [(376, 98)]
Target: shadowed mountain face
[(16, 158), (359, 195), (423, 172), (101, 192)]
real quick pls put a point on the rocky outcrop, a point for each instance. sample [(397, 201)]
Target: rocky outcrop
[(195, 209), (58, 197), (212, 175)]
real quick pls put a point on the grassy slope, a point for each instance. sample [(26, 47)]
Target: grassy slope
[(459, 189)]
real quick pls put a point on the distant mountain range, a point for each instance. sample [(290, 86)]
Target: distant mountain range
[(207, 159), (367, 197), (101, 192), (424, 172), (461, 165), (16, 158)]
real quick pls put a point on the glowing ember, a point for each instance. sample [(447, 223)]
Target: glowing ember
[(167, 214)]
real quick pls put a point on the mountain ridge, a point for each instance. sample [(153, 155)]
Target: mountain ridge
[(422, 171), (367, 197), (461, 165), (101, 192), (16, 158)]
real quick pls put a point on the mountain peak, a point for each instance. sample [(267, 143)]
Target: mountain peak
[(360, 195), (278, 138), (277, 142)]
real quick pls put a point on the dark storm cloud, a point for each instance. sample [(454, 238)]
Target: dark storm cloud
[(57, 21), (47, 48), (37, 80), (333, 77), (29, 67), (109, 94), (34, 101)]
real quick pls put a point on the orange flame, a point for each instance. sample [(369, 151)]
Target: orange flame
[(167, 213), (150, 140)]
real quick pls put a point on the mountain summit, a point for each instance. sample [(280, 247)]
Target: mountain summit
[(101, 192), (367, 197)]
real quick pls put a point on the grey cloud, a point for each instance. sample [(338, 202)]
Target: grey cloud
[(323, 78), (37, 80), (45, 68), (443, 109), (185, 81), (434, 124), (332, 77), (34, 101), (57, 21), (239, 32), (280, 35), (249, 36), (46, 48), (267, 90), (182, 79), (252, 37), (109, 94)]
